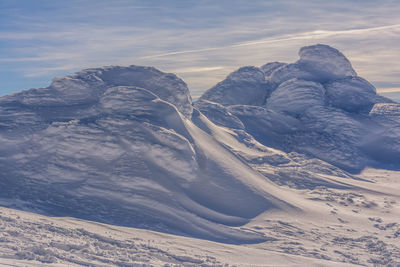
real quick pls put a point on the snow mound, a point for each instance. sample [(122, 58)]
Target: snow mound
[(317, 106), (269, 68), (126, 156), (290, 71), (85, 88), (352, 94), (246, 86), (383, 144), (325, 62), (124, 145), (166, 86), (295, 96), (318, 63), (332, 136), (219, 114)]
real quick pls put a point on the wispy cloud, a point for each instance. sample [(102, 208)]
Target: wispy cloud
[(290, 37), (389, 90), (197, 69), (44, 71), (201, 41)]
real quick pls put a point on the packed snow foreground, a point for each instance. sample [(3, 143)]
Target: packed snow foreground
[(267, 161)]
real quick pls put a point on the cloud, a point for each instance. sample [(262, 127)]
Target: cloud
[(202, 41), (44, 71), (32, 59), (297, 36), (389, 90), (197, 69)]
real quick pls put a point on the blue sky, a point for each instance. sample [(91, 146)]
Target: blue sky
[(202, 41)]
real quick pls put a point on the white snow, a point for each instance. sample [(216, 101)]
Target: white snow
[(296, 96), (339, 228), (317, 106), (263, 169), (325, 62), (351, 94), (290, 71), (246, 86), (166, 86), (269, 68), (219, 114), (390, 110)]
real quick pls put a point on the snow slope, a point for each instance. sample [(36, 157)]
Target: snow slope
[(263, 158), (345, 228), (126, 156), (32, 240)]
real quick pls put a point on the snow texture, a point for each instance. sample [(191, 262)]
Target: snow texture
[(319, 107), (289, 72), (296, 96), (85, 87), (325, 62), (246, 86), (351, 94), (253, 161), (337, 227), (269, 68), (127, 157)]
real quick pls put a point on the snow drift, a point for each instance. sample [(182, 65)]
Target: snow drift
[(126, 145)]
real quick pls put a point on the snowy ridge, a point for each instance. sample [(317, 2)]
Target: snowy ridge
[(230, 91), (317, 106), (126, 156), (126, 146)]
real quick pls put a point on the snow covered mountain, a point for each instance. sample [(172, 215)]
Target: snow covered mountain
[(126, 145)]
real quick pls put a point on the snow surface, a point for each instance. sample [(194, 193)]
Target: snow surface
[(317, 106), (128, 158), (352, 94), (269, 68), (289, 72), (246, 86), (296, 96), (267, 160), (341, 227), (325, 62)]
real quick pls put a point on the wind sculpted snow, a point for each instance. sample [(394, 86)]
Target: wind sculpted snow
[(109, 148), (318, 107), (126, 146)]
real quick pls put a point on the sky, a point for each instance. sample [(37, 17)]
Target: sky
[(202, 41)]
